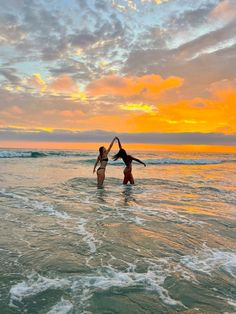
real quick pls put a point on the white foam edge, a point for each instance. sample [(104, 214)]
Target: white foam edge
[(35, 284), (208, 260), (37, 205), (61, 307), (85, 286), (88, 237)]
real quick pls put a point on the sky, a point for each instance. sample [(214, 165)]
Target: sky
[(150, 71)]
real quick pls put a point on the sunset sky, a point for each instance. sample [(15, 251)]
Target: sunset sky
[(152, 71)]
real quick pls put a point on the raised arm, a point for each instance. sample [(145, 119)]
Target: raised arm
[(119, 142), (95, 165), (110, 146), (136, 159)]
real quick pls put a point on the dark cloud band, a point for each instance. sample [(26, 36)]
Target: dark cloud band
[(11, 134)]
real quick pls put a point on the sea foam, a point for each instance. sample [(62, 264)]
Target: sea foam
[(62, 307), (40, 206), (38, 154), (91, 160), (209, 260)]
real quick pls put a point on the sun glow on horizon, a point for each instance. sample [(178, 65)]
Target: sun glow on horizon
[(129, 146)]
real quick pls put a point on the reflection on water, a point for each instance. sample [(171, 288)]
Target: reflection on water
[(101, 194), (128, 194), (164, 245)]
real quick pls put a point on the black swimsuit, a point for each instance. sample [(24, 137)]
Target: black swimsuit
[(105, 159)]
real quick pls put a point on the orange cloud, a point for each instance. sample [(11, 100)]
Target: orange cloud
[(134, 113), (16, 110), (216, 114), (37, 82), (63, 84), (106, 122), (137, 107), (225, 10), (146, 87), (160, 1), (71, 113)]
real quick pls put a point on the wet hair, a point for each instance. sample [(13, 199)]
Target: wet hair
[(101, 151), (121, 154)]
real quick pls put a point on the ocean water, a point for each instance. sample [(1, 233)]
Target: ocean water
[(165, 245)]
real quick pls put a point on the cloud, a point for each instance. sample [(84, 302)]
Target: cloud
[(184, 53), (38, 135), (225, 10), (214, 114), (214, 52), (137, 107), (65, 104), (62, 84), (32, 30), (155, 1), (167, 68), (146, 86), (127, 5), (16, 110), (37, 82), (207, 41), (10, 74), (10, 31)]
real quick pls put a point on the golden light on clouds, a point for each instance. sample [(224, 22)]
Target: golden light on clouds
[(126, 5), (78, 95), (151, 110), (225, 10), (37, 82), (63, 85), (132, 66), (137, 107), (160, 1), (214, 114), (146, 86)]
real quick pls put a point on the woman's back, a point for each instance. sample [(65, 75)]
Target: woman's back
[(128, 160)]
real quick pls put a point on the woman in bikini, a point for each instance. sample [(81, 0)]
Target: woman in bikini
[(128, 177), (102, 159)]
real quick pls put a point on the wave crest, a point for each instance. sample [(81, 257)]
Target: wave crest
[(92, 157), (38, 154)]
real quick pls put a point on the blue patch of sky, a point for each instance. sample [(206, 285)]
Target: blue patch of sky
[(30, 68), (162, 16), (136, 22), (149, 15)]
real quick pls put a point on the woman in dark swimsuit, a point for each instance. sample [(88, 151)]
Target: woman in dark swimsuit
[(102, 159), (128, 177)]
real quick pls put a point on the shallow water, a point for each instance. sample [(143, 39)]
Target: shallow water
[(165, 245)]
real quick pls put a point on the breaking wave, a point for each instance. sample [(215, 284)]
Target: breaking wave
[(92, 157), (170, 161), (38, 154)]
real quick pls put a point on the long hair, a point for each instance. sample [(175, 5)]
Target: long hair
[(121, 154), (101, 151)]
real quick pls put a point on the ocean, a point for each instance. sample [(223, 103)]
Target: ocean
[(165, 245)]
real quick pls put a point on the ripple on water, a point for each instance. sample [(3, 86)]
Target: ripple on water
[(209, 260), (79, 289), (22, 201), (154, 241), (62, 307)]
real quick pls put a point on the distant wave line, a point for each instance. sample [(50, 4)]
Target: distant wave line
[(170, 161), (91, 160), (38, 154)]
